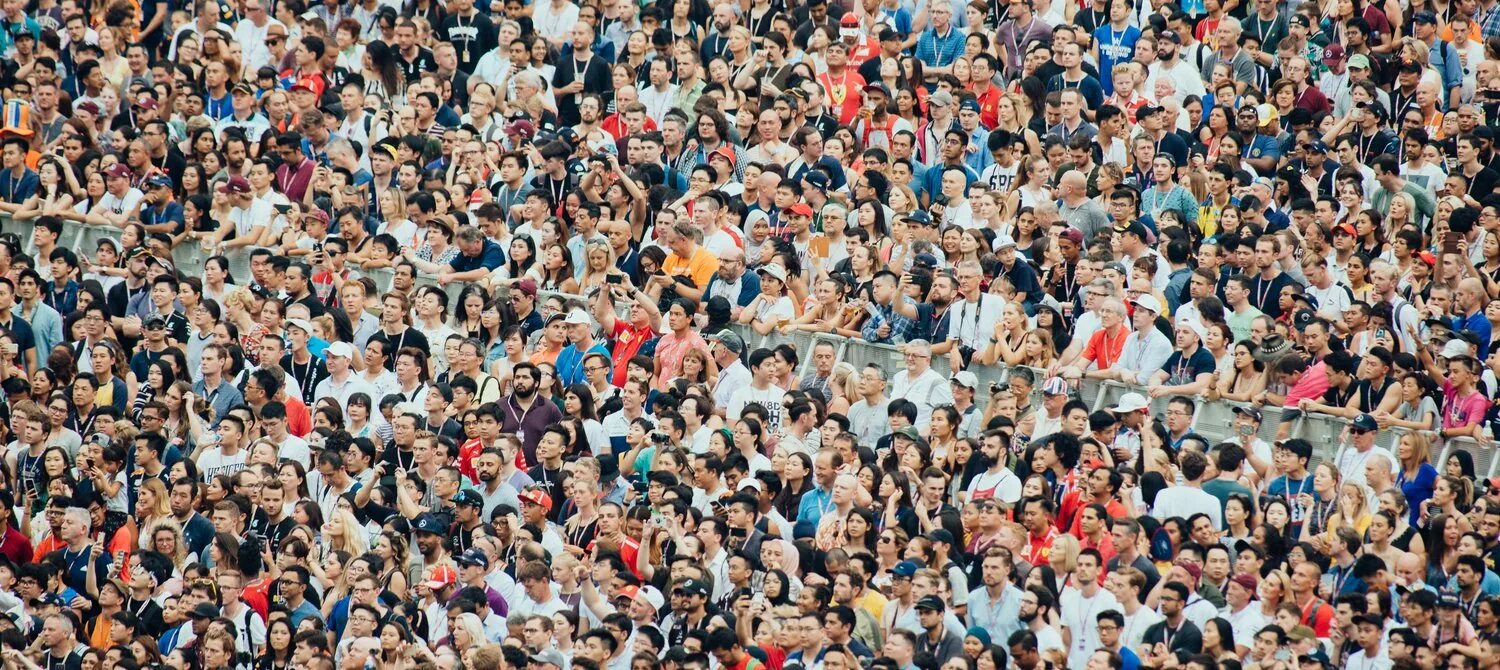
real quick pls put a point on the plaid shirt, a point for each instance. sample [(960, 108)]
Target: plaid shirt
[(900, 325), (1490, 23)]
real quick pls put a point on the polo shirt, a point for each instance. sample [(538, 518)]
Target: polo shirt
[(490, 257)]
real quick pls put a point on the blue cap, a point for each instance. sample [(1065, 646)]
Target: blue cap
[(906, 569), (428, 523), (1316, 146), (158, 180), (969, 104), (1364, 422), (918, 217), (468, 497)]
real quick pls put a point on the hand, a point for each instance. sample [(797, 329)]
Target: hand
[(95, 551), (883, 331)]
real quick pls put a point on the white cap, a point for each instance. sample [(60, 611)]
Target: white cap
[(966, 379), (578, 317), (1196, 326), (1130, 402), (340, 349), (1004, 241), (304, 324), (775, 270), (1147, 301), (1455, 348)]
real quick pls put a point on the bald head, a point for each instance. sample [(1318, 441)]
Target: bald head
[(1074, 183)]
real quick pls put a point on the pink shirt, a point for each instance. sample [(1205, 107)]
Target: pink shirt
[(1311, 386), (1460, 412)]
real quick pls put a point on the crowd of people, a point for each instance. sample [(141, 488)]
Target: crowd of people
[(460, 335)]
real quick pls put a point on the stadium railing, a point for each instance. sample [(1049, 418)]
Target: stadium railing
[(1213, 420)]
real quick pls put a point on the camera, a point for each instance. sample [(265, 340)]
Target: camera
[(659, 437), (615, 279)]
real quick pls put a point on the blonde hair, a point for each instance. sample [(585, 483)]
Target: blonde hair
[(353, 540), (1065, 549), (148, 539)]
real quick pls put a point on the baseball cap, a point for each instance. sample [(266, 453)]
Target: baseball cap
[(878, 87), (303, 324), (730, 340), (1249, 411), (118, 170), (1364, 422), (1131, 402), (549, 657), (966, 379), (941, 98), (775, 270), (472, 557), (235, 184), (159, 181), (537, 497), (1333, 53), (427, 522), (800, 209), (468, 497), (1148, 301), (1055, 386), (906, 569), (578, 317), (1359, 61), (693, 587), (154, 321), (339, 349), (931, 603), (440, 577)]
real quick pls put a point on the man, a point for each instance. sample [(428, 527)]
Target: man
[(1076, 207), (524, 413), (1190, 369), (1186, 78), (935, 639), (1080, 604), (341, 381), (1242, 67), (59, 642), (1072, 102), (1114, 43), (478, 256), (1174, 633), (20, 181), (1146, 349), (1190, 497), (221, 395), (920, 383)]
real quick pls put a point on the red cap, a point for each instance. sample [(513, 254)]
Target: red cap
[(1428, 258), (537, 497), (1346, 228), (800, 209), (849, 21), (441, 576)]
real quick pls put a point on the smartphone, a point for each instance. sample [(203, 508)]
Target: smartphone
[(1450, 243), (1379, 333), (615, 279)]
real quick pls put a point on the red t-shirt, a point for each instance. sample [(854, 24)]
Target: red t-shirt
[(466, 455), (628, 340), (1104, 349)]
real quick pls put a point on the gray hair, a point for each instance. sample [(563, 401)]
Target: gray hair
[(1113, 304), (470, 234)]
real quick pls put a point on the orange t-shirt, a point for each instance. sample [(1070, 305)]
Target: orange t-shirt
[(1104, 349), (700, 267)]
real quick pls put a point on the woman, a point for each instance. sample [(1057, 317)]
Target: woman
[(237, 306), (1378, 541), (152, 508), (580, 528), (1015, 116), (1404, 536), (772, 307), (1009, 342), (1320, 506), (278, 649), (1370, 235), (1239, 517), (871, 220), (1441, 538), (159, 377), (393, 551), (1247, 376), (1218, 640), (1417, 411), (54, 194), (1030, 189), (826, 313), (860, 532), (557, 270), (1416, 476), (467, 632)]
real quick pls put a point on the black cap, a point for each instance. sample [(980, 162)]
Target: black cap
[(932, 603), (428, 523)]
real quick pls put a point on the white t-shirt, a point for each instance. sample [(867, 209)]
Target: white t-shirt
[(121, 204), (1079, 615), (776, 310), (213, 462), (770, 398), (1185, 501)]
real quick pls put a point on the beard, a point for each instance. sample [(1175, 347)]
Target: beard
[(487, 477), (524, 393), (941, 301), (1028, 618)]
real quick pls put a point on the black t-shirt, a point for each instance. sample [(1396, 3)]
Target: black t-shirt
[(72, 661), (410, 337), (472, 36), (595, 75), (308, 375), (1482, 183), (414, 68)]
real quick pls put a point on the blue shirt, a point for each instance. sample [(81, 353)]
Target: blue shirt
[(172, 213), (1001, 618), (1481, 327), (17, 190), (813, 504), (940, 50), (490, 257), (1114, 48), (570, 363)]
